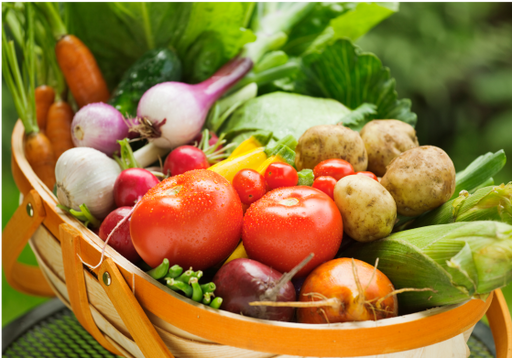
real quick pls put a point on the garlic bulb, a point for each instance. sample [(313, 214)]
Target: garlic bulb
[(87, 176)]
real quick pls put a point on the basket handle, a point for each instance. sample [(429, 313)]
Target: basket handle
[(500, 322), (132, 314), (75, 283), (125, 303), (23, 224)]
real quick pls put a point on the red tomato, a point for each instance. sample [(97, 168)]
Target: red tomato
[(280, 175), (287, 224), (336, 168), (325, 184), (193, 220), (368, 174), (250, 185)]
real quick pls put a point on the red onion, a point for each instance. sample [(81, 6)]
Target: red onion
[(99, 126)]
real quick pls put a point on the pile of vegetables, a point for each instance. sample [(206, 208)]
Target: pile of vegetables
[(260, 148)]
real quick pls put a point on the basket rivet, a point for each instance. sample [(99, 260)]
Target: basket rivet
[(30, 210), (106, 278)]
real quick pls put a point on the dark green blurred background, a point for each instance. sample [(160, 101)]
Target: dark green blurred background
[(453, 60)]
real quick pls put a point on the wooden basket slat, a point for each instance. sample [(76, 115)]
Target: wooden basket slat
[(185, 348)]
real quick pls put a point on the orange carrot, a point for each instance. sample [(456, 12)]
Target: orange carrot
[(40, 155), (45, 96), (58, 128), (81, 71)]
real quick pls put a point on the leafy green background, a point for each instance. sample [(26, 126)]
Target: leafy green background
[(452, 60)]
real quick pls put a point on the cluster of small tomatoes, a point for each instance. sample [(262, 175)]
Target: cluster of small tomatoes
[(251, 185)]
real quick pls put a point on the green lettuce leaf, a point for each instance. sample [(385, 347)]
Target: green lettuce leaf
[(341, 71), (205, 35), (330, 21), (283, 114)]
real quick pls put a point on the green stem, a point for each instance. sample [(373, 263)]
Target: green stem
[(52, 15), (127, 159), (287, 141), (267, 76), (83, 215), (265, 43), (270, 60)]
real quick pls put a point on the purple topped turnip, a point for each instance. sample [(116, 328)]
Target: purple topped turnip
[(244, 280)]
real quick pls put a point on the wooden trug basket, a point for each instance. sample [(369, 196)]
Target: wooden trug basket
[(132, 315)]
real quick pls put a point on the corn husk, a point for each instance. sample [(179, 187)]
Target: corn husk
[(479, 171), (489, 203), (457, 261)]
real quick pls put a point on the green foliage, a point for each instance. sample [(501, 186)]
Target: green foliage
[(453, 62), (283, 114), (343, 72), (205, 35)]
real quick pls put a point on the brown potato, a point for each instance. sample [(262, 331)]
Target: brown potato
[(367, 208), (330, 141), (420, 180), (385, 140)]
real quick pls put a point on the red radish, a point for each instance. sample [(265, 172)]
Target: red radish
[(244, 280), (132, 184), (346, 290), (120, 240), (185, 158)]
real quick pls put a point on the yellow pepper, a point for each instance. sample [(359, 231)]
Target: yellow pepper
[(229, 167), (253, 142), (256, 159)]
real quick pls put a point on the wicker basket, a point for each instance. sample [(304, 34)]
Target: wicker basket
[(132, 315)]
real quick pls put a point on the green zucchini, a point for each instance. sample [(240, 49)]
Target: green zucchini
[(155, 66)]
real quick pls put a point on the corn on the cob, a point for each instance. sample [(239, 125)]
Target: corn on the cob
[(489, 203), (458, 261)]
